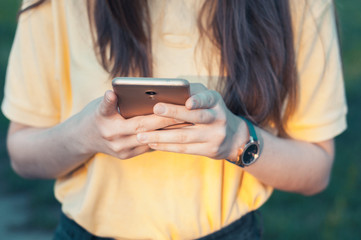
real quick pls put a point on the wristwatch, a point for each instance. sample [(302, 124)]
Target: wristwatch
[(250, 152)]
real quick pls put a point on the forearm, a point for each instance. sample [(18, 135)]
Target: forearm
[(56, 151), (48, 152), (294, 166), (286, 164)]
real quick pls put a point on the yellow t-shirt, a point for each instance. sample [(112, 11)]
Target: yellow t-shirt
[(53, 73)]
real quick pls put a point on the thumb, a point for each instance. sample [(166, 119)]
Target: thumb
[(108, 105), (197, 88), (193, 101)]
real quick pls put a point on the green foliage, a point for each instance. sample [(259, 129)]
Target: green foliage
[(335, 213), (8, 11), (43, 208)]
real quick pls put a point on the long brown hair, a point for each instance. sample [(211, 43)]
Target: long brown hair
[(254, 39)]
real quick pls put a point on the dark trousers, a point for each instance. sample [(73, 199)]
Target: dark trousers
[(247, 227)]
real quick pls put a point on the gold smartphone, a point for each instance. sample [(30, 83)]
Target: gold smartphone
[(137, 96)]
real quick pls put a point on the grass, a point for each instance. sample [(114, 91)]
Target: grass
[(333, 214)]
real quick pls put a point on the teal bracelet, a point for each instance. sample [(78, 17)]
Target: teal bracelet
[(249, 153), (251, 129)]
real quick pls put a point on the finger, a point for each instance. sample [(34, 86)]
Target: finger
[(203, 100), (200, 116), (140, 150), (119, 143), (196, 148), (147, 123), (196, 88), (108, 105), (133, 152), (186, 135)]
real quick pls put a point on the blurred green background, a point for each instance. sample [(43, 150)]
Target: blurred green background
[(333, 214)]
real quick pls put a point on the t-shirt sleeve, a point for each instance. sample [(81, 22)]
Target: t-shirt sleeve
[(31, 88), (321, 111)]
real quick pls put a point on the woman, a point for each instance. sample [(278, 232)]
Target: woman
[(267, 82)]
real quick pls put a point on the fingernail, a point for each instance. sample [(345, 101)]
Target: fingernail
[(141, 137), (107, 97), (159, 109), (194, 103)]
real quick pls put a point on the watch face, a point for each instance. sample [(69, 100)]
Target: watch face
[(250, 154)]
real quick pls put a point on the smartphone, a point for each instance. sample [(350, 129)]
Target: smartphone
[(137, 96)]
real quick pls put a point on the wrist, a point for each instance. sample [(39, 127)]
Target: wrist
[(240, 138), (82, 134), (249, 145)]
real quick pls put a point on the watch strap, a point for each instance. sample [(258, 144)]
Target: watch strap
[(251, 129)]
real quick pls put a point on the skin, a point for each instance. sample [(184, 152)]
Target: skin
[(286, 164), (98, 128)]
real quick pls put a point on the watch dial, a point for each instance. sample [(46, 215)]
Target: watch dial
[(250, 154)]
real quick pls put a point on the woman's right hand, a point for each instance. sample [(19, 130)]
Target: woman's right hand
[(108, 132)]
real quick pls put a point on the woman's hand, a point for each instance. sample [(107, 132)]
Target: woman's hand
[(55, 151), (215, 133), (112, 134), (286, 164)]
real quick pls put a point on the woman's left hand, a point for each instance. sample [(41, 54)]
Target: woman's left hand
[(216, 132)]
